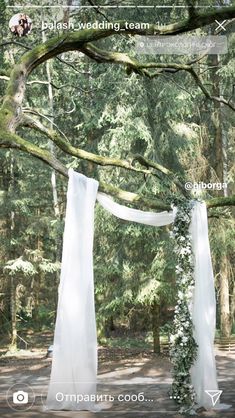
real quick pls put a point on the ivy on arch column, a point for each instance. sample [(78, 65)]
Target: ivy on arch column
[(183, 347)]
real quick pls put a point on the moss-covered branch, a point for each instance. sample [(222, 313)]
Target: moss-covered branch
[(77, 41), (134, 198), (77, 152), (197, 20), (9, 140), (69, 149), (12, 140), (142, 68), (217, 202)]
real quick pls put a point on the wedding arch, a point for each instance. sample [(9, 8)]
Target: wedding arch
[(74, 364)]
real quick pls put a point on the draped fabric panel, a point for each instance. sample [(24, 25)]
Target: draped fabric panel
[(74, 366), (203, 372), (135, 215)]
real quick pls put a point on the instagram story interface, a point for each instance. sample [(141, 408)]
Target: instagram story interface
[(117, 196)]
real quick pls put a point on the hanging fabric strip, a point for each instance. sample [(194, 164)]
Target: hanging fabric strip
[(135, 215), (74, 364), (203, 372)]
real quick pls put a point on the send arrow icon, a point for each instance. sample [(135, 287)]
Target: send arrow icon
[(214, 395)]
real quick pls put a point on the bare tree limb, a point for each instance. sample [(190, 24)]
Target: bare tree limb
[(97, 10), (171, 176), (207, 93), (72, 66), (15, 43), (142, 68)]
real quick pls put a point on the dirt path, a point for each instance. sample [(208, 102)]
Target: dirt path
[(120, 374)]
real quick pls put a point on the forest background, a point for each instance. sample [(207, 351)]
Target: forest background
[(111, 111)]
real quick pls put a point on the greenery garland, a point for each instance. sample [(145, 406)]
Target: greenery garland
[(183, 348)]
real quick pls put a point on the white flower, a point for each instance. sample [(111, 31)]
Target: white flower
[(185, 251), (178, 269)]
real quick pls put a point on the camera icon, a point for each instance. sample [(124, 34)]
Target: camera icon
[(20, 397)]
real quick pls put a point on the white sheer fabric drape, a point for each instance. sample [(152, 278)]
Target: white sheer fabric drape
[(75, 348), (203, 308), (74, 364), (135, 215)]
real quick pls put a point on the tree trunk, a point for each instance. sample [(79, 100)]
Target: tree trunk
[(53, 152), (220, 166), (155, 311), (232, 317), (51, 145), (13, 315), (13, 298), (220, 139), (225, 326)]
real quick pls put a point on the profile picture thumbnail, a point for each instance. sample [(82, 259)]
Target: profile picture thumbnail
[(20, 24)]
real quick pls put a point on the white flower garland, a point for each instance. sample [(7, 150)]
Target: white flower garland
[(183, 350)]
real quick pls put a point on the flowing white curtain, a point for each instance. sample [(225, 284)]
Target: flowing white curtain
[(74, 365), (135, 215), (203, 308)]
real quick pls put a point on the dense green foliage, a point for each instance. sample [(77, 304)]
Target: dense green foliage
[(183, 345)]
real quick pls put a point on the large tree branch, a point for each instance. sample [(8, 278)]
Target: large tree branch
[(143, 68), (10, 140), (76, 41), (14, 141), (217, 202), (198, 20), (113, 191), (69, 149)]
